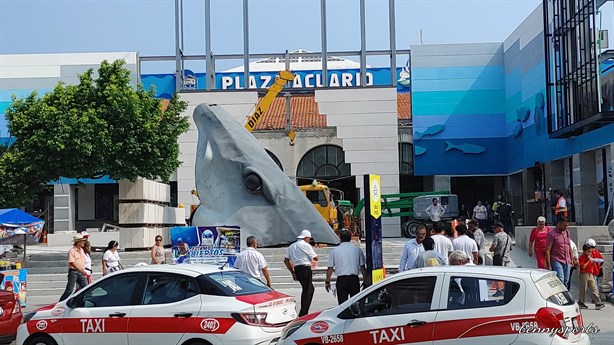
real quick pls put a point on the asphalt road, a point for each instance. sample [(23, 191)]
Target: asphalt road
[(602, 319)]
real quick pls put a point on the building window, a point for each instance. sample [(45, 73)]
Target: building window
[(406, 158), (325, 162), (275, 159)]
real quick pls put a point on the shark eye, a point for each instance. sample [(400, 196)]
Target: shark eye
[(253, 182)]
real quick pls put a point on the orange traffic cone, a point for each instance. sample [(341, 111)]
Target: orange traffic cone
[(44, 236)]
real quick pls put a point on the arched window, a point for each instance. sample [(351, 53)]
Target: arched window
[(406, 159), (326, 162), (275, 159)]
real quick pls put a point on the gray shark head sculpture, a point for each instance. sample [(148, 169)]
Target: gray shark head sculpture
[(239, 184)]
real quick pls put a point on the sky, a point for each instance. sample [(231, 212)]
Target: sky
[(147, 26)]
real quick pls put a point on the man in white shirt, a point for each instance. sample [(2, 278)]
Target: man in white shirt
[(298, 261), (435, 210), (443, 245), (466, 244), (252, 262), (346, 260), (412, 249)]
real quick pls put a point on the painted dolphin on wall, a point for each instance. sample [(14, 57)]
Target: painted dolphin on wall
[(465, 148), (239, 184), (429, 131)]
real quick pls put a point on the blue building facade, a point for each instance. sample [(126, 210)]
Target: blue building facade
[(480, 109)]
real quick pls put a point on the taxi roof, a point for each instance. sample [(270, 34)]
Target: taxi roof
[(495, 270), (193, 270)]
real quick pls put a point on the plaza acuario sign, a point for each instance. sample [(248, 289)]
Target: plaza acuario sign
[(308, 79)]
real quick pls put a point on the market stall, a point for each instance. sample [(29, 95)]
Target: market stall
[(17, 230)]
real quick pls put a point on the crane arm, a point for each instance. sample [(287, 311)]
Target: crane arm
[(265, 102)]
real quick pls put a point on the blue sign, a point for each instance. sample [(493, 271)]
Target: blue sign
[(165, 83)]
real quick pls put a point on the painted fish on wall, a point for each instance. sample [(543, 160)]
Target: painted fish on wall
[(419, 150), (429, 131), (465, 148)]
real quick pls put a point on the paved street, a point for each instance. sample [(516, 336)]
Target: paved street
[(323, 300)]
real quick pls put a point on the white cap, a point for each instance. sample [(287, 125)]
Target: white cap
[(304, 233), (591, 242)]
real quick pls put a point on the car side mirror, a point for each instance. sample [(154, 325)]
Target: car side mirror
[(74, 302), (71, 303), (355, 309)]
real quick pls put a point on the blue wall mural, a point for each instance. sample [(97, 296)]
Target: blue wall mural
[(458, 109), (490, 96)]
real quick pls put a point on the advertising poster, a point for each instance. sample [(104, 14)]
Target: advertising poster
[(373, 222), (216, 245), (15, 280)]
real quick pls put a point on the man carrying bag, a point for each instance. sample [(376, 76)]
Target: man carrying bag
[(501, 246)]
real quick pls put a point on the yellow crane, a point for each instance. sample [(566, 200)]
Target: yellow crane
[(265, 102)]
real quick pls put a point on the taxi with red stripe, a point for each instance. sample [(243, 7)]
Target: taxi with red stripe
[(451, 305), (164, 304)]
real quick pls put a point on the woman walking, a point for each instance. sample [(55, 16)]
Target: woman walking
[(537, 242), (110, 259), (157, 252), (87, 249)]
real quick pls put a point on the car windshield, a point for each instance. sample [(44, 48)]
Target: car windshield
[(552, 290), (237, 283)]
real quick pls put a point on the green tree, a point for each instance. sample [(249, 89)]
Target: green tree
[(102, 126)]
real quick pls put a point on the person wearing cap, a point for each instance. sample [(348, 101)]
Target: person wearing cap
[(298, 261), (347, 261), (501, 246), (76, 267), (589, 268), (596, 254)]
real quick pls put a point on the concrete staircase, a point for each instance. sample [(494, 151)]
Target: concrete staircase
[(47, 271)]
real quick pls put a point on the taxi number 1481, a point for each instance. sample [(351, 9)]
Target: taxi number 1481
[(332, 339)]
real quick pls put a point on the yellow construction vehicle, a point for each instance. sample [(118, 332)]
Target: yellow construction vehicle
[(322, 199)]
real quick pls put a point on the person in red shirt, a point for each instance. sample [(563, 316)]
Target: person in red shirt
[(589, 268), (537, 242)]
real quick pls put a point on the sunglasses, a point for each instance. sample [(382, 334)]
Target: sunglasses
[(158, 240)]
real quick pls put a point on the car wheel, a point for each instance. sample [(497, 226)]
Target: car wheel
[(41, 340), (197, 342), (410, 228)]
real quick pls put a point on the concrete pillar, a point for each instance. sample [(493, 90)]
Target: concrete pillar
[(63, 207), (442, 183), (586, 198)]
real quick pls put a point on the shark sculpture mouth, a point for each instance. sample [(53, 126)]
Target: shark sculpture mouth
[(239, 184)]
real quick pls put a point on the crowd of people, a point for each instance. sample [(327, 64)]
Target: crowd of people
[(554, 250)]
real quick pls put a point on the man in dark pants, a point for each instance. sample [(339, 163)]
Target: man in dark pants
[(346, 260), (76, 267), (298, 261)]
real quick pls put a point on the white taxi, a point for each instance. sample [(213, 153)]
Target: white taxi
[(164, 304), (451, 305)]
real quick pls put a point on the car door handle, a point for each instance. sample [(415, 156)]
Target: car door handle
[(183, 315), (117, 315), (414, 323)]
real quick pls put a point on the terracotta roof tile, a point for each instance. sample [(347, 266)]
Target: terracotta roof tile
[(404, 106), (305, 113)]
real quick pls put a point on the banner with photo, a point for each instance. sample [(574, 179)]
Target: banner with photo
[(15, 281), (216, 245)]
